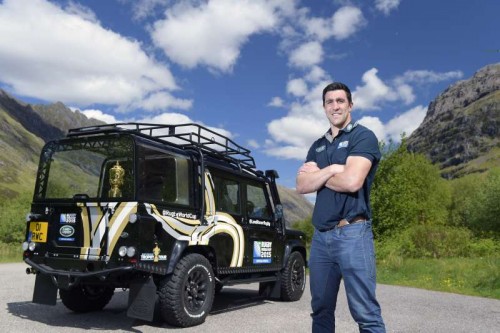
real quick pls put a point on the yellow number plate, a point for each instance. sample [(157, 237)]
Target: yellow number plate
[(39, 231)]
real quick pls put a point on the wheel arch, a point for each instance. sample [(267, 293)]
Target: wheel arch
[(181, 249), (291, 246)]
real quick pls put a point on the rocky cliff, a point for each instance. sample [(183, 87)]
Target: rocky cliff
[(461, 129)]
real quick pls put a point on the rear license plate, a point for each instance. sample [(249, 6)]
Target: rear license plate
[(39, 231)]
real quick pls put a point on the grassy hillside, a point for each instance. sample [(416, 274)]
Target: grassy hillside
[(19, 158), (296, 207)]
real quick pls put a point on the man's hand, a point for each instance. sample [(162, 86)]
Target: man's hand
[(308, 167)]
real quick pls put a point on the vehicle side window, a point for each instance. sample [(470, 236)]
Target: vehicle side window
[(164, 177), (257, 205), (227, 195)]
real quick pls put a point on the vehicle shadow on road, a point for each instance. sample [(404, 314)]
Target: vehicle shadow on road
[(232, 299), (114, 315)]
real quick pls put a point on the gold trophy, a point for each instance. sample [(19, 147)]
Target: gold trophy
[(116, 174)]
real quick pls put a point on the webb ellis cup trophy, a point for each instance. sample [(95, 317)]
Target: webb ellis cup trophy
[(116, 174)]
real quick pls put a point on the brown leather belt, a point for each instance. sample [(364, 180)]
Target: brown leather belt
[(344, 222)]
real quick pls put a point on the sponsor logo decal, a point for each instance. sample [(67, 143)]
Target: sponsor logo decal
[(151, 257), (259, 222), (155, 256), (343, 144), (262, 252), (66, 231), (184, 215), (67, 218), (320, 149)]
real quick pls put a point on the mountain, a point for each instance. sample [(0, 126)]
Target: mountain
[(460, 131), (295, 206), (24, 129)]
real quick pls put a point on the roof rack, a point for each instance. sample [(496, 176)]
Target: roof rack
[(189, 135)]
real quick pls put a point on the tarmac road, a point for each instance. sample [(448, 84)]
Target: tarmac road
[(240, 309)]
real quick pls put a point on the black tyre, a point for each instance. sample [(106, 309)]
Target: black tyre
[(186, 295), (86, 298), (293, 278)]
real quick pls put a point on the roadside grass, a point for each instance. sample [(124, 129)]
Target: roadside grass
[(10, 253), (466, 276)]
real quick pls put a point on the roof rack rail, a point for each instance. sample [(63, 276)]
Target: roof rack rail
[(189, 135)]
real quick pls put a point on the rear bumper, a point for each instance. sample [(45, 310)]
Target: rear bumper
[(44, 269)]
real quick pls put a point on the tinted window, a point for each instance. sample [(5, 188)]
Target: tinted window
[(164, 176), (257, 206), (227, 195)]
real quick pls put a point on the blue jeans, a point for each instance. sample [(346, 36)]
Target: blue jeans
[(347, 253)]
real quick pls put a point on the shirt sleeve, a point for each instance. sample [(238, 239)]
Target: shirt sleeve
[(311, 154), (366, 145)]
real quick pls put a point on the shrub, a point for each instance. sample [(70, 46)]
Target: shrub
[(435, 241), (306, 227), (12, 219)]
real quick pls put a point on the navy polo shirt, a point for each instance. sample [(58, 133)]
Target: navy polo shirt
[(332, 206)]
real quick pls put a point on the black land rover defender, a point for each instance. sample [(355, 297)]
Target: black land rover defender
[(176, 211)]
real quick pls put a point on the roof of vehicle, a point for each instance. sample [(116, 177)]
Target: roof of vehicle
[(189, 135)]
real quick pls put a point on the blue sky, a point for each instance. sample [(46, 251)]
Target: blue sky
[(252, 70)]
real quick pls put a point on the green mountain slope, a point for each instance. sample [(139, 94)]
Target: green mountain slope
[(20, 150)]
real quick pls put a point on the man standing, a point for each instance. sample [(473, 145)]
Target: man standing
[(340, 167)]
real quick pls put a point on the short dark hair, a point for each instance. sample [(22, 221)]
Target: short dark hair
[(337, 86)]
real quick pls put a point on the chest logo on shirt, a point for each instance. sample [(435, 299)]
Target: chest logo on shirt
[(320, 149), (343, 144)]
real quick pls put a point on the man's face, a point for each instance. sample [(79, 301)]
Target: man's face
[(337, 108)]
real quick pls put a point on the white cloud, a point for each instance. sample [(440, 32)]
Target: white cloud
[(316, 74), (253, 144), (66, 55), (374, 124), (405, 123), (347, 21), (292, 135), (319, 28), (306, 55), (142, 9), (425, 76), (375, 92), (161, 100), (212, 33), (276, 102), (386, 6), (296, 87), (167, 118), (99, 115), (178, 118), (81, 11)]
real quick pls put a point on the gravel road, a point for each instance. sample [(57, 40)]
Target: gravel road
[(240, 309)]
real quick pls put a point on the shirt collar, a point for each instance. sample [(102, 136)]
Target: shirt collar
[(328, 135)]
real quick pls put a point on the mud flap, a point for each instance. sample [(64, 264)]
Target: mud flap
[(142, 299), (45, 290), (271, 290), (276, 289)]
